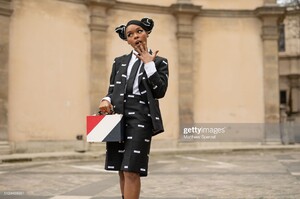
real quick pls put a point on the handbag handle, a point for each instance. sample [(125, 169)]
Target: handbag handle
[(110, 113)]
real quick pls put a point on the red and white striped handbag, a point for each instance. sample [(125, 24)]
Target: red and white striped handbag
[(104, 128)]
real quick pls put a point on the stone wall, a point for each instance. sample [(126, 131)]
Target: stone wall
[(222, 61), (49, 71), (5, 13)]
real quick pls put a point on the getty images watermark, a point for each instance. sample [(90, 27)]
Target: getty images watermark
[(202, 133), (228, 132)]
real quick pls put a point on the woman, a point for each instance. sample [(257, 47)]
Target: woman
[(137, 81)]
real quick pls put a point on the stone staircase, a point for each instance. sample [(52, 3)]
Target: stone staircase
[(5, 148)]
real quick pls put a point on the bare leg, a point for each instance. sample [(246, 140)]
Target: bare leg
[(132, 185), (122, 182)]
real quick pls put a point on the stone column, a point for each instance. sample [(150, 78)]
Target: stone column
[(271, 17), (5, 13), (98, 26), (185, 13)]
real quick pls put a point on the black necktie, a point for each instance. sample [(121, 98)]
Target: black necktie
[(135, 67)]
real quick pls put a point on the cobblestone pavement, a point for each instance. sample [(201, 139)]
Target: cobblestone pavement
[(232, 175)]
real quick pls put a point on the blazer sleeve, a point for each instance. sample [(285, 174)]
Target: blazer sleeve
[(112, 79), (159, 80)]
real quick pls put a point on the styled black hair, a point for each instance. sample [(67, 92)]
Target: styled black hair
[(146, 23)]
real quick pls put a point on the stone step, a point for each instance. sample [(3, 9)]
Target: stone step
[(5, 148)]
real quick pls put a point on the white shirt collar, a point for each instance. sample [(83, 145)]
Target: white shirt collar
[(134, 54)]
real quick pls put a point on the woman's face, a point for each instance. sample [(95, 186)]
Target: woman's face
[(136, 36)]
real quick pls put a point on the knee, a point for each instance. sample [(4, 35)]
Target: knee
[(131, 176)]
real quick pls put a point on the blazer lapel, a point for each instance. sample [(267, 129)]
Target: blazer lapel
[(120, 83), (122, 73)]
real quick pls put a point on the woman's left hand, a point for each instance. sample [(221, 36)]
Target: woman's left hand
[(143, 53)]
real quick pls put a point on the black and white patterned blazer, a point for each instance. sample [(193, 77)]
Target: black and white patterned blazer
[(155, 87)]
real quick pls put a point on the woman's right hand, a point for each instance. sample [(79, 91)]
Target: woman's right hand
[(105, 107)]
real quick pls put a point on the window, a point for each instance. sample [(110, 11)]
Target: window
[(283, 97), (281, 40)]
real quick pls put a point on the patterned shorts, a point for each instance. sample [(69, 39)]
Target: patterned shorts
[(132, 155)]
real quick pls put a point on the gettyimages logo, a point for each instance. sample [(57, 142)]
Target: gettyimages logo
[(202, 133), (230, 132)]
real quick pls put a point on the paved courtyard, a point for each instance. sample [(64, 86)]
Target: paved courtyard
[(256, 175)]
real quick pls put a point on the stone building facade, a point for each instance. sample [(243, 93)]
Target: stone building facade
[(289, 64), (56, 57)]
